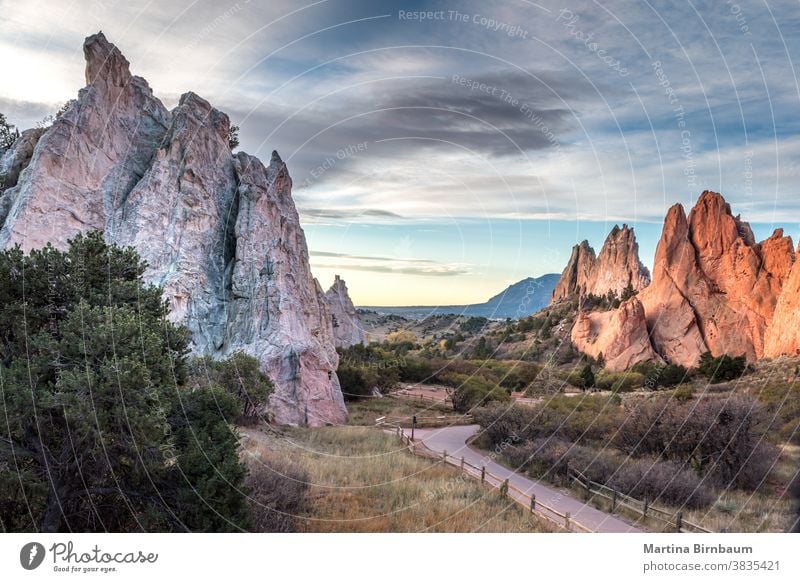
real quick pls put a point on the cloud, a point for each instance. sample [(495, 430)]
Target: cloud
[(390, 265)]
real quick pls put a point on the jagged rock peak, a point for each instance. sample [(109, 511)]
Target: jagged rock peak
[(105, 61), (220, 233), (714, 288), (347, 327), (576, 274), (616, 268)]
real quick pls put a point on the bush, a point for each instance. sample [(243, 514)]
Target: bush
[(588, 418), (278, 495), (472, 391), (720, 439), (665, 481), (722, 368), (619, 381), (240, 375), (415, 370), (365, 368), (672, 375), (683, 392)]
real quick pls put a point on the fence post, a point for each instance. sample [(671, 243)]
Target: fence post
[(462, 463), (444, 456), (483, 474), (679, 521), (533, 502), (645, 506), (504, 488), (613, 500), (566, 520)]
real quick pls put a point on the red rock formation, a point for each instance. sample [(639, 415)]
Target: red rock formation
[(614, 269), (620, 335), (577, 272), (714, 288), (783, 332), (618, 265)]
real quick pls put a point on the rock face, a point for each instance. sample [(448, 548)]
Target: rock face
[(347, 328), (714, 288), (576, 274), (220, 232), (620, 335), (783, 332), (616, 268), (12, 162), (90, 158)]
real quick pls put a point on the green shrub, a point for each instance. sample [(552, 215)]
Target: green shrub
[(470, 392), (722, 368), (365, 368), (240, 375), (414, 369), (683, 392), (619, 381)]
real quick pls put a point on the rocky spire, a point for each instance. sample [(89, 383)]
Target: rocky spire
[(576, 274), (347, 328), (220, 233), (714, 288), (616, 268), (89, 160)]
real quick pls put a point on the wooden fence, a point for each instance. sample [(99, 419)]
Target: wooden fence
[(404, 394), (641, 507), (563, 521)]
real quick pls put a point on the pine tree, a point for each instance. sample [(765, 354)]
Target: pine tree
[(92, 381)]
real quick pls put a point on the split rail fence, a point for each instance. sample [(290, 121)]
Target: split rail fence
[(527, 500)]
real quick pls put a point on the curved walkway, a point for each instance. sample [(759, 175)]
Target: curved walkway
[(453, 440)]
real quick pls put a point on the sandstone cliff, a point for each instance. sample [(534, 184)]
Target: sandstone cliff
[(347, 328), (220, 232), (620, 335), (714, 288), (576, 274), (616, 268)]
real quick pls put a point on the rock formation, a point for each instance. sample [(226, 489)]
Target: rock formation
[(783, 332), (616, 268), (347, 328), (714, 288), (220, 232), (620, 335), (576, 274)]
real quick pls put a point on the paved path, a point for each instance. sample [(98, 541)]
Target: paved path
[(453, 440)]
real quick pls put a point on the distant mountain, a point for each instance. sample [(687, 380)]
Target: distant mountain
[(518, 300)]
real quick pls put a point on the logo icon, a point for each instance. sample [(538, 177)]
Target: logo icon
[(31, 555)]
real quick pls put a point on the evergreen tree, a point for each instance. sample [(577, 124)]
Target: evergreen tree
[(587, 377), (92, 381)]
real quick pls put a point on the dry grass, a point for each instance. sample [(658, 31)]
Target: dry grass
[(770, 509), (399, 410), (362, 480)]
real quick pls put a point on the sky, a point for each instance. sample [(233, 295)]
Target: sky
[(441, 151)]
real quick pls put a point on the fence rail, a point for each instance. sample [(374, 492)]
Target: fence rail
[(403, 394), (642, 507), (527, 500)]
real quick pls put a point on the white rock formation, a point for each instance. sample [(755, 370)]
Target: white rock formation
[(220, 232), (347, 328)]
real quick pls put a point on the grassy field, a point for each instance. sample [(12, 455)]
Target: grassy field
[(362, 480), (399, 410)]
